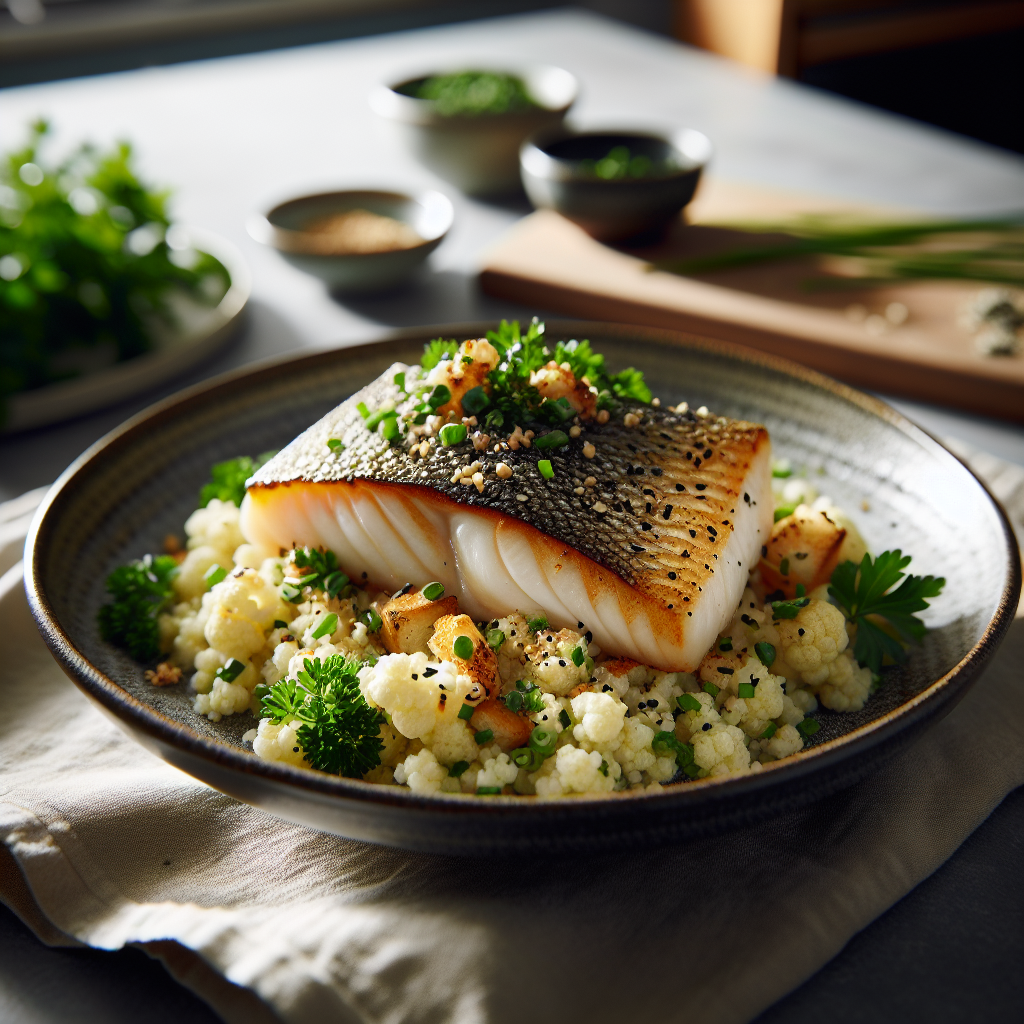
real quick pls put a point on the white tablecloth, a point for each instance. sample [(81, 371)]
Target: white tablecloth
[(106, 845)]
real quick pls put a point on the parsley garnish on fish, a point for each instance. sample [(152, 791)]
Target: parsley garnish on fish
[(320, 571), (864, 590), (227, 479), (340, 732), (511, 399), (141, 590)]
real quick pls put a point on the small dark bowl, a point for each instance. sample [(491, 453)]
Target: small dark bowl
[(617, 209)]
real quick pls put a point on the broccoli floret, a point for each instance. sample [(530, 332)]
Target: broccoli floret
[(340, 732), (227, 479), (140, 591)]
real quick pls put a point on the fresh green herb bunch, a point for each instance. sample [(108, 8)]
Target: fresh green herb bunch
[(340, 732), (514, 400), (84, 266), (864, 591), (227, 479), (618, 164), (320, 571), (472, 93), (141, 590), (958, 250)]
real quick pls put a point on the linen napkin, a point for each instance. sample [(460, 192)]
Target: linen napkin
[(107, 845)]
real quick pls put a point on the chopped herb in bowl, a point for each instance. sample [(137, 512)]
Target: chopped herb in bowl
[(472, 93), (619, 164)]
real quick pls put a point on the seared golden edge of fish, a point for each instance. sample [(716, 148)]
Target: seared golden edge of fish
[(669, 531)]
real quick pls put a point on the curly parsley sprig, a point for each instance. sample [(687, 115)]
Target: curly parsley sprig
[(340, 732), (865, 590), (227, 479), (141, 590)]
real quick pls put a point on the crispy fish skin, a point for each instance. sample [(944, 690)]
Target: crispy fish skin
[(653, 558)]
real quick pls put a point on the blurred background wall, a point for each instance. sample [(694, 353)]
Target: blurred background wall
[(958, 64)]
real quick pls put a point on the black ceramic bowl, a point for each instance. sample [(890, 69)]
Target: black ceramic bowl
[(557, 171), (140, 482)]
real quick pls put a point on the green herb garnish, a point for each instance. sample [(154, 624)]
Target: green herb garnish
[(433, 591), (227, 479), (619, 164), (483, 736), (463, 648), (552, 439), (141, 591), (371, 620), (765, 653), (334, 443), (667, 743), (466, 712), (495, 638), (536, 625), (327, 626), (340, 732), (543, 741), (725, 644), (688, 702), (437, 351), (711, 688), (458, 769), (321, 572), (808, 727), (789, 609), (86, 271), (528, 758), (564, 719), (864, 590), (452, 433), (471, 93), (745, 690), (544, 467), (769, 731), (214, 575), (230, 671), (488, 790)]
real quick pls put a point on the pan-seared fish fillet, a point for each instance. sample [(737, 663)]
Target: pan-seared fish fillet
[(652, 557)]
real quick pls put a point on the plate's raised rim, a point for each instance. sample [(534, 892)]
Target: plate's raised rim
[(54, 403), (166, 731)]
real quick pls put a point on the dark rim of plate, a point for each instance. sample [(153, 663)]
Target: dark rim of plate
[(918, 709)]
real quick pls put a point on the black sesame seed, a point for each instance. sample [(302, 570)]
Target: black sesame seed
[(641, 706), (689, 455), (707, 454), (686, 554), (702, 487), (680, 487), (645, 526), (696, 463), (725, 671), (636, 547), (652, 703), (800, 632), (561, 663), (693, 533), (656, 471), (705, 727), (671, 575), (589, 636), (605, 688), (667, 513)]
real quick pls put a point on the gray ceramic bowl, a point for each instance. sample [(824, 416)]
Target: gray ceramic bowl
[(480, 154), (428, 213), (556, 178), (120, 498)]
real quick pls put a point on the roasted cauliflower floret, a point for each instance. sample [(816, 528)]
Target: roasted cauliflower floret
[(847, 686), (814, 639)]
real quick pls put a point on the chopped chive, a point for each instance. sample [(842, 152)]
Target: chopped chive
[(525, 685), (808, 727), (334, 443), (536, 625), (563, 717), (214, 575), (371, 620), (329, 625), (789, 609), (765, 653), (745, 690), (466, 712), (495, 638), (260, 691), (725, 644), (291, 593), (475, 400), (463, 647), (420, 419), (781, 472), (514, 701), (452, 433), (390, 429), (689, 703), (439, 396), (577, 656), (488, 790), (800, 590), (711, 688), (231, 671), (783, 511), (784, 567), (552, 439), (458, 769), (543, 741), (769, 731), (280, 624), (432, 591), (603, 769), (483, 736), (691, 770), (399, 380), (544, 467), (363, 411), (526, 758), (335, 583)]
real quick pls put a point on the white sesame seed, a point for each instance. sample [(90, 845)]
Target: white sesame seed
[(578, 490), (604, 416), (656, 402), (575, 431), (589, 451), (702, 411), (467, 481), (504, 471), (478, 479), (521, 497), (630, 419), (600, 506), (590, 482)]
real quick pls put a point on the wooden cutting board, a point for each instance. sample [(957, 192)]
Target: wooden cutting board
[(547, 262)]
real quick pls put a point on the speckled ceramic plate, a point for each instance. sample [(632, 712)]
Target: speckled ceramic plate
[(140, 482)]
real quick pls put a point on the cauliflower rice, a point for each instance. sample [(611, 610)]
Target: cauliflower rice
[(736, 712)]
